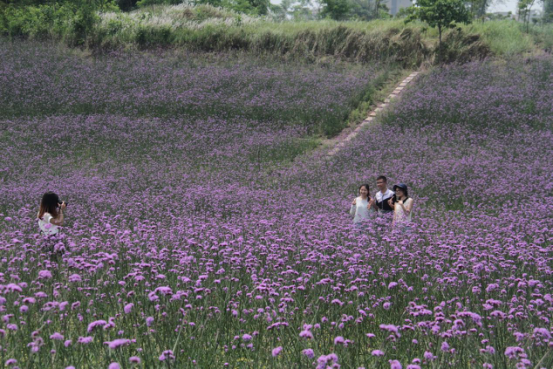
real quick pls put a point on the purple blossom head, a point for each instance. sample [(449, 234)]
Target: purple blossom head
[(128, 308), (75, 278), (309, 353), (276, 351), (56, 336), (85, 340), (95, 324), (542, 333), (394, 364), (117, 343), (166, 355), (44, 274), (512, 352)]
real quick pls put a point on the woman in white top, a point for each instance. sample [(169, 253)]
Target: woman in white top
[(362, 206), (50, 215), (402, 205)]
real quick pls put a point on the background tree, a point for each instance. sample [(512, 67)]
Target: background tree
[(548, 11), (442, 14), (336, 9), (367, 9), (479, 7), (126, 5), (525, 11), (281, 10), (303, 10)]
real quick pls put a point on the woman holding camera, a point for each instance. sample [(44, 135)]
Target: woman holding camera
[(402, 205), (362, 206), (50, 215), (50, 218)]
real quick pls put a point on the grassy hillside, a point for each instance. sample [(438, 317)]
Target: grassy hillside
[(205, 28)]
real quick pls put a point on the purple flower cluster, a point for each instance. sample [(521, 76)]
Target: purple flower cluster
[(190, 242)]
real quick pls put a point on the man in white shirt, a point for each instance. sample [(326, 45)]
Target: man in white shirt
[(383, 195)]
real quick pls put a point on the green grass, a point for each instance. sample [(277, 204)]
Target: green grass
[(505, 37)]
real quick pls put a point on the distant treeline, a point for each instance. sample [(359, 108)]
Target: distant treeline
[(296, 9)]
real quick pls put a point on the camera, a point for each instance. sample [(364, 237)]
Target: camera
[(60, 202)]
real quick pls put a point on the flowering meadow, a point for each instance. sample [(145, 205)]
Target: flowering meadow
[(207, 229)]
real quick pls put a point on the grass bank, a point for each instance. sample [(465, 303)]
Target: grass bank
[(205, 28)]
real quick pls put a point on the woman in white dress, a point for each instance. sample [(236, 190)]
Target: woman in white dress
[(403, 206), (362, 206), (50, 218)]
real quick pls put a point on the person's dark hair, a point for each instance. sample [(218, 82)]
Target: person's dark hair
[(49, 204), (366, 186), (382, 178)]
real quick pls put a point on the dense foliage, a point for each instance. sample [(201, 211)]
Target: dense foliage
[(203, 27), (442, 14)]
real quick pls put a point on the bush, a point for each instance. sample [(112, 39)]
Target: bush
[(82, 25), (45, 21), (34, 22), (148, 36)]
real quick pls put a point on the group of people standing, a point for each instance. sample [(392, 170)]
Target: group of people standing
[(50, 216), (384, 201)]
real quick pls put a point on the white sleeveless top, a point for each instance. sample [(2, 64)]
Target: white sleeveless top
[(359, 211), (399, 214), (46, 227)]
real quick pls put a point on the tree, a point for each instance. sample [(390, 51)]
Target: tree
[(368, 9), (302, 10), (261, 6), (479, 7), (524, 11), (440, 13), (126, 5), (336, 9), (281, 10), (548, 11)]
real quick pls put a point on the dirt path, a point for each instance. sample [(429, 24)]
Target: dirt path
[(342, 139)]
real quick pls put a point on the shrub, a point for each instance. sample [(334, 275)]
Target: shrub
[(82, 25)]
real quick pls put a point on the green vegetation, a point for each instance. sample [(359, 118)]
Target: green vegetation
[(442, 14), (102, 26)]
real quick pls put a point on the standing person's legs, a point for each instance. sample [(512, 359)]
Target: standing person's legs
[(50, 246)]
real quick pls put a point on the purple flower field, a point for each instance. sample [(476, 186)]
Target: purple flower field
[(205, 230)]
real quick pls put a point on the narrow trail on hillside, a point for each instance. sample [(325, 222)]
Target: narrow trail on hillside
[(341, 140)]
